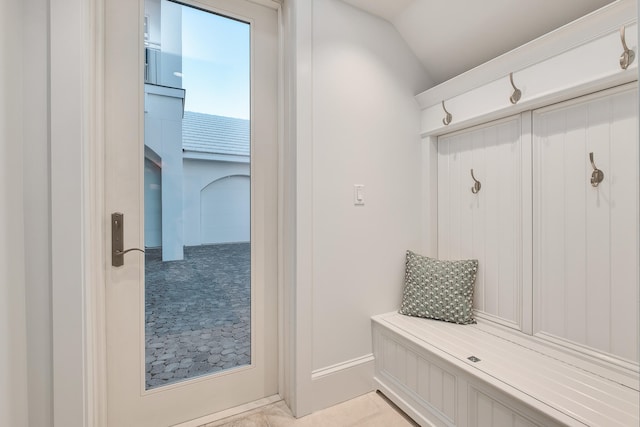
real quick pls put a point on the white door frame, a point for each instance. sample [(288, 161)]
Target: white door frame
[(78, 220), (296, 213)]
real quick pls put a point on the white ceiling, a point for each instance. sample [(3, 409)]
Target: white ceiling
[(453, 36)]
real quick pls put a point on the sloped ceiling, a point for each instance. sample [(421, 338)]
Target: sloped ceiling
[(450, 37)]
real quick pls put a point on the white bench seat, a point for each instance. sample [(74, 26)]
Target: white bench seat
[(510, 380)]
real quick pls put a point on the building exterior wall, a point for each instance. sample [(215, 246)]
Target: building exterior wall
[(152, 204), (215, 196), (163, 135), (206, 178)]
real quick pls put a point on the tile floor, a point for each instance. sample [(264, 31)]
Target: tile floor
[(369, 410), (197, 312)]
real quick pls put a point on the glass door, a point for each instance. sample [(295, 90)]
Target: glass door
[(191, 101), (197, 192)]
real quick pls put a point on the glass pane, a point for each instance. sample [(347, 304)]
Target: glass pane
[(197, 193)]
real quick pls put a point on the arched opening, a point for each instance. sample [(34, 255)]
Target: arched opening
[(225, 210)]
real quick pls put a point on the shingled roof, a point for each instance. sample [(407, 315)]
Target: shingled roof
[(206, 133)]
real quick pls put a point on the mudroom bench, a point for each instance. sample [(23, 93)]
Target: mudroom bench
[(444, 374)]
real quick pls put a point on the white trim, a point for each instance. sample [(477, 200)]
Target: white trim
[(338, 383), (173, 92), (283, 385), (303, 304), (230, 412), (589, 63), (273, 4), (74, 94), (94, 194), (526, 212), (430, 196), (563, 39), (286, 216), (200, 155), (330, 370), (297, 206)]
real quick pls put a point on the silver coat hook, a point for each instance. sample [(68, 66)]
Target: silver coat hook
[(476, 184), (517, 93), (597, 176), (628, 55), (448, 118)]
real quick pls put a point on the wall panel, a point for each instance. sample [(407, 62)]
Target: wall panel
[(585, 237), (486, 225), (365, 131)]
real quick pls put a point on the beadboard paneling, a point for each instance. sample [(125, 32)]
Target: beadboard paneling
[(425, 381), (485, 226), (585, 238), (486, 412)]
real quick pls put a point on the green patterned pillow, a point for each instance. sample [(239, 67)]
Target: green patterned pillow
[(441, 290)]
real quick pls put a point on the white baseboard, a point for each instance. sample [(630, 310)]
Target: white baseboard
[(341, 382)]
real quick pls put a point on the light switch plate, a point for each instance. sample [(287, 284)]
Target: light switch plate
[(358, 194)]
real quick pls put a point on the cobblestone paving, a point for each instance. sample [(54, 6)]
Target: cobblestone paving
[(197, 312)]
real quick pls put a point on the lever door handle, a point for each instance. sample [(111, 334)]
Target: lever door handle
[(117, 240), (128, 250)]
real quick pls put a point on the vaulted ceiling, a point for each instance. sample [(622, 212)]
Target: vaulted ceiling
[(453, 36)]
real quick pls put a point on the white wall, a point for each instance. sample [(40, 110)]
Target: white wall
[(26, 383), (13, 343), (365, 131)]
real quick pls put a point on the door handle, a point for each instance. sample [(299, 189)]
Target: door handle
[(117, 240)]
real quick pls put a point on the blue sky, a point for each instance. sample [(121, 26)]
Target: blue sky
[(215, 64)]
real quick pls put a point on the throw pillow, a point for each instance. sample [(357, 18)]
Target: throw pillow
[(438, 289)]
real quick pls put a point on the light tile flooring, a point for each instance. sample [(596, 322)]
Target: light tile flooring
[(369, 410)]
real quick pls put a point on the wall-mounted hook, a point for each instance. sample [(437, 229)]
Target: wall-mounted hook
[(597, 176), (476, 184), (517, 93), (448, 117), (628, 55)]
